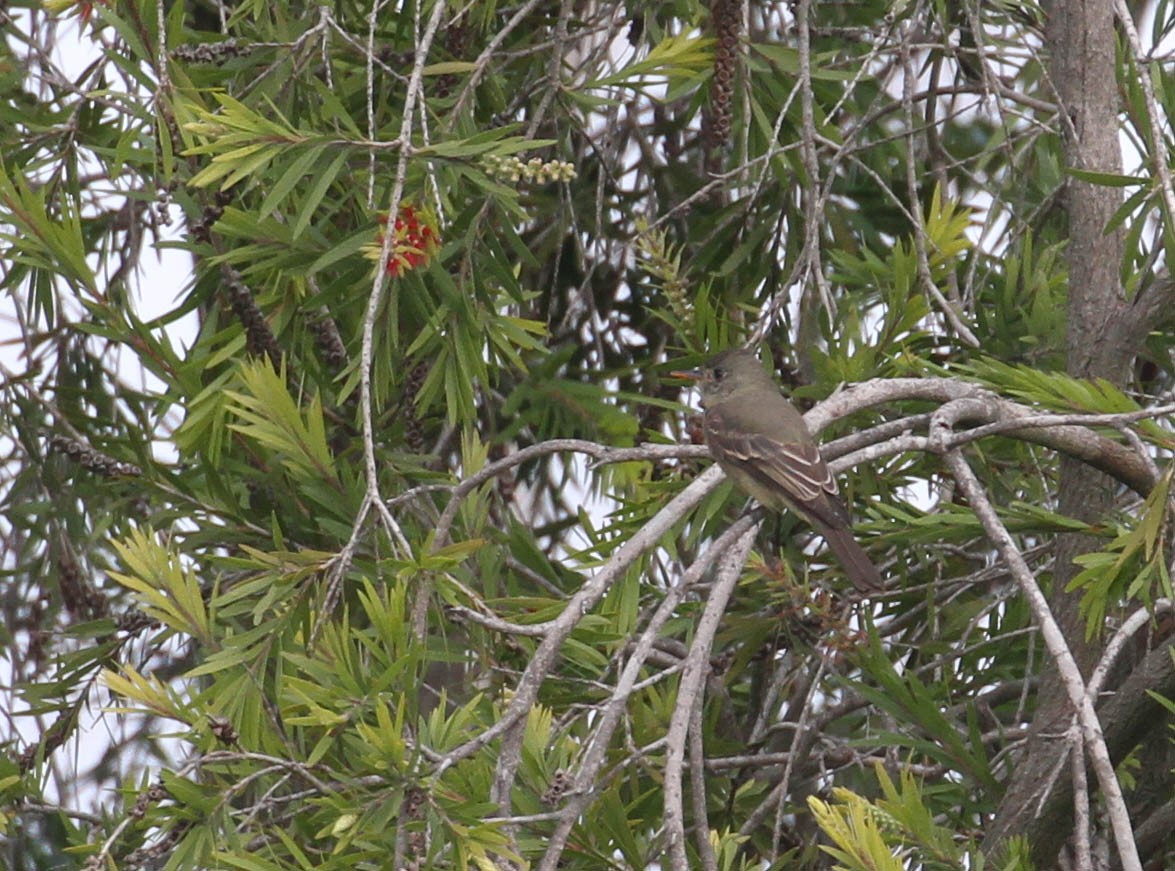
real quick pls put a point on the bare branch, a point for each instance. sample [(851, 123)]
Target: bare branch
[(1058, 648)]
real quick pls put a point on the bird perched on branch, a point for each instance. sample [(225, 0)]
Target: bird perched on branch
[(764, 446)]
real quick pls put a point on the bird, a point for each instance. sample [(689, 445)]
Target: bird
[(762, 443)]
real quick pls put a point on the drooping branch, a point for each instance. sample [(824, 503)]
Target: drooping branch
[(1058, 646)]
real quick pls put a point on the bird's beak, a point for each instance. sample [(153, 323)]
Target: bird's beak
[(688, 374)]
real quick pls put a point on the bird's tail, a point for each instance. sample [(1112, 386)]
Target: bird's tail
[(861, 571)]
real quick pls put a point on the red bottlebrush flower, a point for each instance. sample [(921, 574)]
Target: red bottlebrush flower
[(414, 240)]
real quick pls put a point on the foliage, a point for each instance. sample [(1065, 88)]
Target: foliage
[(366, 538), (896, 829)]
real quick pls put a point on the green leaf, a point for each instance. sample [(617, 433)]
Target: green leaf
[(481, 145), (268, 415), (678, 55), (448, 68), (167, 590), (347, 247), (53, 244), (314, 196), (293, 174), (1107, 179)]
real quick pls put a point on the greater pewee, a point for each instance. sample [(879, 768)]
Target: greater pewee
[(764, 446)]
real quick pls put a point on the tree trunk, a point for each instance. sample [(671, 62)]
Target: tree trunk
[(1104, 333)]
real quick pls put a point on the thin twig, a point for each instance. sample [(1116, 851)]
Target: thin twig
[(595, 753), (1158, 142), (689, 692)]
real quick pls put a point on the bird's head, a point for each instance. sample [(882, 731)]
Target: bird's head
[(726, 374)]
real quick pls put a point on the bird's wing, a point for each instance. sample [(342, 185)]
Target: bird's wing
[(794, 473), (796, 469)]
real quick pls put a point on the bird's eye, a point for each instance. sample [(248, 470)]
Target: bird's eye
[(719, 373)]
